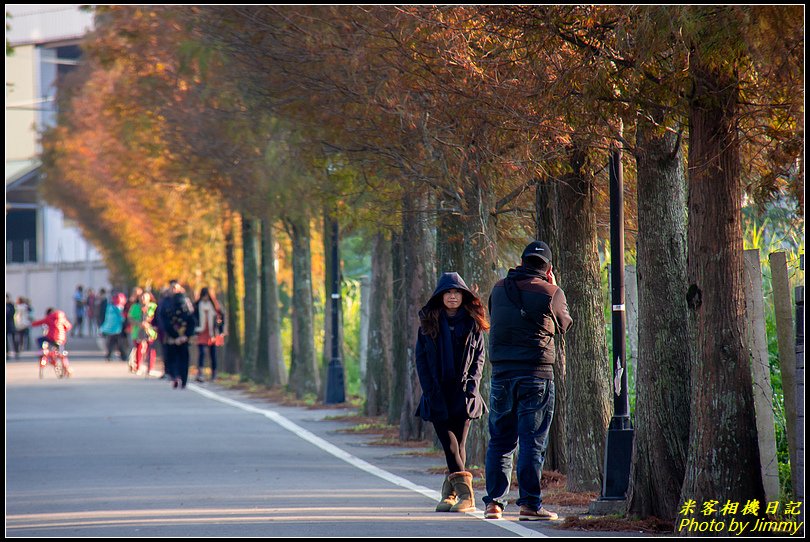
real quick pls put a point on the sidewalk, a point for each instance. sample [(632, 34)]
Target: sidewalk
[(369, 439), (372, 441)]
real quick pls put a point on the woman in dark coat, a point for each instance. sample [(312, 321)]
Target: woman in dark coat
[(449, 361)]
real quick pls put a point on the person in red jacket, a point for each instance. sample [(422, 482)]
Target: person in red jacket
[(58, 327)]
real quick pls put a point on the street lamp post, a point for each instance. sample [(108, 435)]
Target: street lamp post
[(335, 388), (619, 445)]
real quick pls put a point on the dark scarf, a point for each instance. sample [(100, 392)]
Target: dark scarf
[(520, 272), (462, 325)]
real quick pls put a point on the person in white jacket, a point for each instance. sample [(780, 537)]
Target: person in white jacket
[(22, 325), (209, 330)]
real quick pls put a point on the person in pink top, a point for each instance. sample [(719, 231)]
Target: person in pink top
[(58, 326)]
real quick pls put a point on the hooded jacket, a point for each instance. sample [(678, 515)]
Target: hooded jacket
[(114, 319), (177, 319), (458, 394)]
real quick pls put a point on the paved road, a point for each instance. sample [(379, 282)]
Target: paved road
[(109, 454)]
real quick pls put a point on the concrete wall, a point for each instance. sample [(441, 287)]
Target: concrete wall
[(63, 242), (21, 92), (52, 285), (43, 23)]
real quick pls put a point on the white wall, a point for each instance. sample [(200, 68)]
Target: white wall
[(21, 92), (63, 243), (53, 285), (40, 23)]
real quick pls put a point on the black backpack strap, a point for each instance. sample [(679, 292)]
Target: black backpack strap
[(513, 293)]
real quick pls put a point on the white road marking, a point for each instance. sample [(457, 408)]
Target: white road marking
[(356, 461)]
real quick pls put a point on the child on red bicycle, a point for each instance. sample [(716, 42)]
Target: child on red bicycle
[(58, 327)]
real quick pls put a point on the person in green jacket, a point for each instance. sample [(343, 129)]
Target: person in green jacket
[(142, 332)]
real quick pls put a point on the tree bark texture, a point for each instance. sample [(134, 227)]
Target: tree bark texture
[(723, 461), (419, 271), (664, 354), (277, 369), (233, 346), (546, 204), (380, 334), (449, 242), (304, 374), (588, 372), (252, 292), (262, 371), (398, 338), (480, 274)]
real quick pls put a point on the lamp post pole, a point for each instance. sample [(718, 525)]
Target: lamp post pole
[(335, 387), (619, 445)]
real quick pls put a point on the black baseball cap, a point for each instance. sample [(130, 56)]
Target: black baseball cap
[(537, 249)]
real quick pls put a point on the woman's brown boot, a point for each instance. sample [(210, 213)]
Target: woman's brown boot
[(462, 483), (448, 496)]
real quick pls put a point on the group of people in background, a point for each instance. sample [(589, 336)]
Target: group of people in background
[(140, 328), (20, 320), (19, 316), (526, 310), (138, 325)]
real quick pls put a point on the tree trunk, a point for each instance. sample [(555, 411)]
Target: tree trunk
[(276, 369), (380, 334), (588, 371), (480, 274), (664, 353), (546, 227), (262, 371), (450, 242), (304, 374), (419, 270), (252, 293), (233, 346), (723, 461), (399, 339)]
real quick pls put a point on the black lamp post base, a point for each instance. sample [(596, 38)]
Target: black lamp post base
[(618, 454), (335, 387)]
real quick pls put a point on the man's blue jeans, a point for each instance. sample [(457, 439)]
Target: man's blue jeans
[(521, 409)]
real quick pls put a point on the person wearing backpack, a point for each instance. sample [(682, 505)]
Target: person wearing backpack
[(527, 309), (177, 320), (112, 325)]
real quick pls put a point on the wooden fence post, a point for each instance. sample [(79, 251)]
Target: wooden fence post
[(760, 371), (787, 349), (798, 489)]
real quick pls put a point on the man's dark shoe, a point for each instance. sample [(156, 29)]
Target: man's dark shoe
[(493, 511), (529, 514)]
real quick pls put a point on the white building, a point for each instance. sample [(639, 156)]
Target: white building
[(46, 255)]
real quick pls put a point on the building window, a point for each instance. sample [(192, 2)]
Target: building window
[(55, 63), (21, 236)]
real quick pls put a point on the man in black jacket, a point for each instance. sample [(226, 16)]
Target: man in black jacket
[(176, 320), (527, 309)]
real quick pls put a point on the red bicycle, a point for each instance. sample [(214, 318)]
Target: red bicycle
[(55, 356)]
